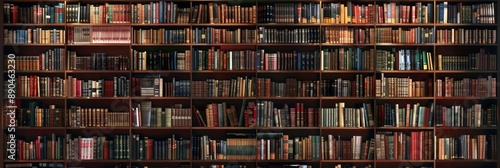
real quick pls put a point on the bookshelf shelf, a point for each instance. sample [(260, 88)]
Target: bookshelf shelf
[(39, 98), (160, 98), (288, 24), (405, 98), (287, 128), (98, 24), (462, 45), (223, 128), (158, 71), (403, 45), (288, 71), (465, 128), (26, 161), (33, 45), (100, 45), (159, 128), (347, 45), (97, 71), (464, 25), (54, 129), (160, 161), (404, 24), (465, 161), (406, 71), (352, 44), (347, 161), (98, 98), (348, 128), (222, 44), (34, 24), (161, 45), (405, 128), (161, 24), (462, 72), (223, 71), (36, 72), (404, 161), (222, 24), (465, 98)]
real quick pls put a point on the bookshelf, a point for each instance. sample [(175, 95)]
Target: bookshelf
[(355, 67)]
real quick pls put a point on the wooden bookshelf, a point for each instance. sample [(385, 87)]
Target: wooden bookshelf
[(126, 104)]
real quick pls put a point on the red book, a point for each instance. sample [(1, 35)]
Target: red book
[(106, 150), (20, 150), (37, 148), (149, 149)]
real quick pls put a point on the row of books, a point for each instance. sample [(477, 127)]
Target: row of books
[(344, 13), (265, 112), (475, 115), (155, 87), (329, 35), (418, 35), (162, 36), (482, 60), (417, 145), (217, 59), (118, 86), (415, 115), (145, 115), (404, 145), (402, 59), (289, 13), (288, 35), (42, 147), (96, 117), (402, 87), (212, 35), (170, 12), (467, 147), (166, 148), (99, 34), (348, 58), (97, 61), (98, 13), (37, 86), (347, 35), (288, 60), (223, 13), (34, 36), (401, 13), (238, 87), (347, 148), (161, 60), (39, 116), (342, 116), (160, 12), (362, 86), (48, 13), (97, 147), (279, 146), (52, 59), (290, 88), (466, 87), (466, 36), (448, 12)]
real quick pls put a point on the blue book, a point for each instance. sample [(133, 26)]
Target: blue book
[(441, 13)]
